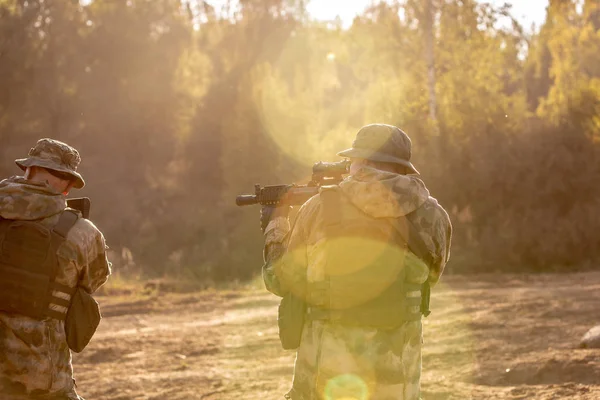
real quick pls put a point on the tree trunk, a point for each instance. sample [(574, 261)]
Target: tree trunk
[(430, 60)]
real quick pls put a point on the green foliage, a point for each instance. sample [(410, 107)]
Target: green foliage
[(177, 107)]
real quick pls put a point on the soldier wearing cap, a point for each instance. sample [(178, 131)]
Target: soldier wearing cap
[(361, 257), (47, 253)]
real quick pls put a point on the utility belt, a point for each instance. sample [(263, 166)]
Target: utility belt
[(414, 304)]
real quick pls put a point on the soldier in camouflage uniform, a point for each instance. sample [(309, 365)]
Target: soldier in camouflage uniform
[(339, 358), (35, 360)]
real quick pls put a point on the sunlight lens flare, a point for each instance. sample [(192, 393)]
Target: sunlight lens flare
[(346, 387), (354, 278), (294, 98)]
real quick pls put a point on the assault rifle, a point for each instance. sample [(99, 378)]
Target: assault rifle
[(324, 173), (81, 204)]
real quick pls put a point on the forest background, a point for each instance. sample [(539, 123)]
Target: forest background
[(177, 106)]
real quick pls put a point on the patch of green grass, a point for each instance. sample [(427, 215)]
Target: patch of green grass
[(124, 286), (120, 285)]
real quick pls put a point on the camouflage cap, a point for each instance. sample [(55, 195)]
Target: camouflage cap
[(383, 143), (54, 155)]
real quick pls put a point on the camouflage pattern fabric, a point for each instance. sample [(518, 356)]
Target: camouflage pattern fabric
[(35, 361), (55, 155), (335, 361), (383, 143)]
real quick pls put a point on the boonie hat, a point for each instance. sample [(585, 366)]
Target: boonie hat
[(55, 155), (383, 143)]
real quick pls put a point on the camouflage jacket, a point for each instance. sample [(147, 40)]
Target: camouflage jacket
[(35, 358), (386, 364)]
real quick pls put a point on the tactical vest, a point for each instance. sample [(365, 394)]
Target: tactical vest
[(365, 282), (29, 265)]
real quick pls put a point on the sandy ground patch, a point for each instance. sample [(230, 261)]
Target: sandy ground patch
[(489, 337)]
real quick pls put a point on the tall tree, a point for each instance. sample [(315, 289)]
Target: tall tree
[(429, 37)]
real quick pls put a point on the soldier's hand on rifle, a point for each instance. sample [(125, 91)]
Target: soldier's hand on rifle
[(268, 213)]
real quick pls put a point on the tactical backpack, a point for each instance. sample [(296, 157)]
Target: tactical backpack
[(365, 281), (28, 287), (29, 264), (344, 293)]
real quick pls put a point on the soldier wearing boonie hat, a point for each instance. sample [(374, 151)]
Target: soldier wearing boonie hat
[(361, 256), (382, 143), (54, 156), (49, 255)]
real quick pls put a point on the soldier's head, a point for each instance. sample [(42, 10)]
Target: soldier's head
[(53, 162), (381, 146)]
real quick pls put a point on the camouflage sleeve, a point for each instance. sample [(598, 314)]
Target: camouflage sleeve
[(442, 236), (433, 224), (92, 259), (285, 252), (276, 235)]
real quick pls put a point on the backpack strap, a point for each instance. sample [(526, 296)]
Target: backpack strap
[(67, 220), (59, 233)]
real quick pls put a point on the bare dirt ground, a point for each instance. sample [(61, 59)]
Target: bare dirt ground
[(489, 337)]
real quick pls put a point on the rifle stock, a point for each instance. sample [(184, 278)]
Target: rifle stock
[(81, 204)]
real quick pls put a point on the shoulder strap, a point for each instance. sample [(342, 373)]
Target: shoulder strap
[(59, 233), (67, 220)]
